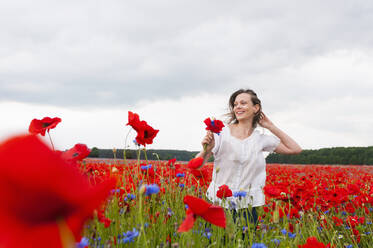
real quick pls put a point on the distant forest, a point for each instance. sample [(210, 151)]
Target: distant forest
[(333, 156)]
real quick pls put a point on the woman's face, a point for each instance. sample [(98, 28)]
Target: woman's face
[(243, 107)]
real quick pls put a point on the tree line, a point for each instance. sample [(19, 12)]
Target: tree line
[(335, 155)]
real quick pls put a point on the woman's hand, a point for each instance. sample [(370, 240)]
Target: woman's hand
[(208, 141), (264, 121)]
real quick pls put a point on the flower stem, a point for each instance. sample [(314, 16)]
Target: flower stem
[(51, 140)]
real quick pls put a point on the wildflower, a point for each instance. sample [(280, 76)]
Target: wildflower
[(276, 241), (43, 125), (284, 232), (180, 175), (129, 236), (145, 133), (240, 194), (312, 242), (146, 167), (44, 195), (77, 153), (223, 192), (131, 196), (198, 207), (258, 245), (214, 125), (181, 185), (151, 189), (292, 235), (84, 242), (195, 163)]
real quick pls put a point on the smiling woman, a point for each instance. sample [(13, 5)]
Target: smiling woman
[(238, 152)]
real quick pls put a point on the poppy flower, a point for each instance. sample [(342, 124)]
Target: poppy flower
[(45, 124), (77, 153), (214, 125), (43, 195), (133, 120), (145, 134), (312, 242), (224, 191), (195, 163), (199, 207)]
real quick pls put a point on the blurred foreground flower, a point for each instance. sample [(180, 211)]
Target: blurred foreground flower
[(46, 201), (198, 207)]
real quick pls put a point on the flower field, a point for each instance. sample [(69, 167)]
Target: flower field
[(61, 199), (332, 204)]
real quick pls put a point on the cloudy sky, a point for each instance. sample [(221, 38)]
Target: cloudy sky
[(177, 62)]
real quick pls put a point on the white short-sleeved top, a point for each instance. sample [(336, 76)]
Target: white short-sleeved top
[(241, 166)]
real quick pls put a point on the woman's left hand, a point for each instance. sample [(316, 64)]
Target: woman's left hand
[(264, 121)]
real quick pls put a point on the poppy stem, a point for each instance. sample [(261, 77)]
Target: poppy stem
[(204, 147), (67, 238), (51, 140)]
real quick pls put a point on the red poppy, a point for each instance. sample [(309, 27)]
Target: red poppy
[(214, 125), (312, 242), (224, 191), (133, 120), (43, 195), (45, 124), (77, 153), (198, 207), (145, 134), (195, 163)]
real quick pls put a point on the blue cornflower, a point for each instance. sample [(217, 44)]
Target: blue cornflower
[(292, 235), (180, 175), (319, 228), (115, 191), (207, 234), (145, 167), (276, 241), (181, 185), (83, 243), (369, 223), (349, 246), (130, 235), (135, 142), (284, 232), (131, 196), (170, 212), (240, 194), (258, 245), (344, 213), (152, 189), (186, 206)]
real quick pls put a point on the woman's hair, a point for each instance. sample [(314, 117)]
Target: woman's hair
[(254, 100)]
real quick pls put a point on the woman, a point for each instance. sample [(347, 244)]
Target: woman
[(238, 152)]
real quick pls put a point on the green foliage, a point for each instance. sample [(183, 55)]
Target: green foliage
[(335, 155), (180, 155), (94, 153)]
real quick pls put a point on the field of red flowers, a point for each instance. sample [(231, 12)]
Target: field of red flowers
[(53, 198), (334, 204)]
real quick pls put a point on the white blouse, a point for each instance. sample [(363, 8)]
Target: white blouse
[(240, 164)]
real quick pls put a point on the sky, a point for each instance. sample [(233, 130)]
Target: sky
[(176, 63)]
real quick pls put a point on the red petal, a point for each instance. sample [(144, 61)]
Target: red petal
[(196, 205), (187, 223), (215, 215)]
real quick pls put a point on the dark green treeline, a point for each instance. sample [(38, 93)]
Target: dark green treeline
[(336, 155)]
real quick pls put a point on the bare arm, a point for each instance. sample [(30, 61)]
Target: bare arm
[(287, 144), (209, 141)]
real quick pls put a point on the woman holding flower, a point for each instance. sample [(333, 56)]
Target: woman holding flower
[(238, 152)]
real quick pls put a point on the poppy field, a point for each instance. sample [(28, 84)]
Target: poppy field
[(306, 206), (53, 198)]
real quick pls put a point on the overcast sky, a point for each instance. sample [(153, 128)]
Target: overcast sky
[(177, 62)]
